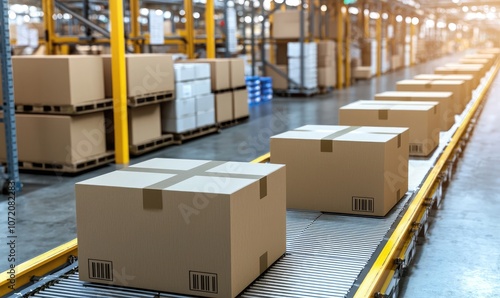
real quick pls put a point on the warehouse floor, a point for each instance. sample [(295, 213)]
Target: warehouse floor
[(460, 249)]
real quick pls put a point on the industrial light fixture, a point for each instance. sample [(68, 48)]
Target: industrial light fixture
[(415, 21), (385, 16), (452, 26), (399, 18), (408, 20), (353, 10), (323, 8), (374, 15)]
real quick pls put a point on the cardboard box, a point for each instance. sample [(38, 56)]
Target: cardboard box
[(362, 72), (201, 71), (146, 74), (490, 57), (444, 110), (326, 48), (468, 79), (184, 221), (237, 69), (281, 54), (240, 104), (58, 139), (355, 170), (310, 50), (326, 61), (201, 87), (327, 77), (487, 63), (184, 72), (223, 106), (457, 87), (178, 108), (205, 118), (144, 124), (179, 125), (205, 102), (279, 82), (184, 90), (472, 66), (474, 71), (287, 24), (57, 80), (420, 117), (219, 72)]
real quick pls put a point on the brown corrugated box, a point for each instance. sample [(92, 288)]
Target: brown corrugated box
[(237, 69), (169, 223), (326, 48), (461, 65), (240, 103), (58, 139), (223, 106), (486, 62), (326, 61), (287, 24), (144, 124), (282, 53), (468, 79), (362, 72), (355, 170), (457, 87), (220, 72), (444, 111), (146, 74), (57, 80), (279, 82), (327, 77), (420, 117), (474, 71)]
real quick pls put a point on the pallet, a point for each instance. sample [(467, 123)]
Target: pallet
[(150, 98), (76, 109), (81, 166), (196, 133), (230, 90), (163, 141), (296, 92), (233, 122), (325, 90)]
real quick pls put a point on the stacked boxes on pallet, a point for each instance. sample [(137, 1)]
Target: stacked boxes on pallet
[(150, 81), (52, 132), (310, 64), (326, 64), (194, 103)]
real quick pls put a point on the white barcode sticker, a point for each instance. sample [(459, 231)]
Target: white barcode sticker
[(363, 204), (99, 269), (416, 148), (203, 282)]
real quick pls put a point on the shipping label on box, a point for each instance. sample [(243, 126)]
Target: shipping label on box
[(420, 117), (445, 113), (195, 227), (356, 170)]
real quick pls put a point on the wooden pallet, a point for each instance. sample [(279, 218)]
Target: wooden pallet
[(325, 90), (233, 122), (196, 133), (295, 92), (80, 108), (146, 99), (163, 141), (81, 166)]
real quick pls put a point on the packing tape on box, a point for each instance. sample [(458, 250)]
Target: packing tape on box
[(326, 143), (152, 195), (383, 114)]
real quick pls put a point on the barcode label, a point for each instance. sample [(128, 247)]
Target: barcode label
[(416, 148), (102, 270), (203, 282), (362, 204)]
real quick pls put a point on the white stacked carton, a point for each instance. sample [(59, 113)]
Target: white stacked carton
[(310, 64)]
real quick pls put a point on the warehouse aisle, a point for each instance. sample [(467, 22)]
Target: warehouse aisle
[(461, 257), (46, 209)]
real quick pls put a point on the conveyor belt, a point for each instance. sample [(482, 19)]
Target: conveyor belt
[(328, 255)]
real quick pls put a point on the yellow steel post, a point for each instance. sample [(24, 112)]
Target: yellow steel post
[(348, 49), (210, 28), (135, 29), (340, 45), (412, 33), (188, 8), (366, 21), (48, 11), (118, 70), (378, 33)]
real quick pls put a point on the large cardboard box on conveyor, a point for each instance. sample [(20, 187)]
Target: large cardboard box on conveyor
[(57, 80), (58, 139), (194, 227), (468, 65), (146, 74), (445, 100), (420, 117), (486, 62), (348, 169), (448, 70), (460, 99), (468, 79)]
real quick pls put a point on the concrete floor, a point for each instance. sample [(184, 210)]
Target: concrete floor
[(46, 208)]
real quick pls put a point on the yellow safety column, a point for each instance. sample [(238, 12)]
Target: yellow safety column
[(210, 28), (412, 33), (188, 7), (135, 29), (48, 12), (340, 45), (378, 36), (347, 47), (118, 69), (366, 21)]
